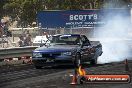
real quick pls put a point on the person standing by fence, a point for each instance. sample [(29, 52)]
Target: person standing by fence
[(27, 40), (21, 41), (5, 29), (1, 30)]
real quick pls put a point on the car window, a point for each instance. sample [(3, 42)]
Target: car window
[(66, 39), (85, 40)]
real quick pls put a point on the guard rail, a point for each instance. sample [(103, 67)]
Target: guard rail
[(16, 52)]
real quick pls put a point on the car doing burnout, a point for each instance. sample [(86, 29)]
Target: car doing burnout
[(65, 49)]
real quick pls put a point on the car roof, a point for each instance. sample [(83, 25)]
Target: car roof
[(67, 35)]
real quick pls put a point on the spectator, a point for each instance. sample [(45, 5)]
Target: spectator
[(27, 40), (5, 28), (21, 41), (1, 29), (27, 33), (1, 32), (45, 34)]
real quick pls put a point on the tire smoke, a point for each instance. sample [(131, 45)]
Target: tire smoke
[(114, 38)]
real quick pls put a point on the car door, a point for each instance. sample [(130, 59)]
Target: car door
[(84, 48)]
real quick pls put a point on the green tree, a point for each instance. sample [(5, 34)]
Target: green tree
[(2, 3), (26, 10)]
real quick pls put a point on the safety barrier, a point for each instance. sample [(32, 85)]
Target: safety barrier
[(16, 54)]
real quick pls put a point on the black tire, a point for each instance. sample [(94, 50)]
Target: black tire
[(93, 62), (77, 61), (38, 67)]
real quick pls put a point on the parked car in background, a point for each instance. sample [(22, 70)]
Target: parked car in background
[(40, 41)]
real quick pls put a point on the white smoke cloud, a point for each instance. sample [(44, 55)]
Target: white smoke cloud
[(114, 39)]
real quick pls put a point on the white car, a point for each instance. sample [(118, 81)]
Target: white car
[(40, 40)]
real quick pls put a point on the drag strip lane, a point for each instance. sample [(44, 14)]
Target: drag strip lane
[(53, 74), (19, 74)]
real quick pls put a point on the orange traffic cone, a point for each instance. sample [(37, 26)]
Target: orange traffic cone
[(74, 80), (126, 65)]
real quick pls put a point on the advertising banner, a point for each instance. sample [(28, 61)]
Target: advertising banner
[(77, 18)]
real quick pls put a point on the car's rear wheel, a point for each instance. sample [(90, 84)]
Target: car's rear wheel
[(93, 61), (77, 60)]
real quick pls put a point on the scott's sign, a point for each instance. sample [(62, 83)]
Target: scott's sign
[(83, 17), (78, 18)]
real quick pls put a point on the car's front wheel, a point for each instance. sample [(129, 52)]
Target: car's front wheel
[(77, 61), (93, 61)]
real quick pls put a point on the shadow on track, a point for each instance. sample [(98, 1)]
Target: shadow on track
[(72, 66)]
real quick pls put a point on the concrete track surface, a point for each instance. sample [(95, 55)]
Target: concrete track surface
[(26, 76)]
